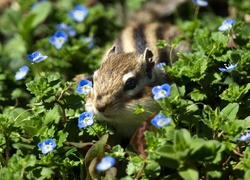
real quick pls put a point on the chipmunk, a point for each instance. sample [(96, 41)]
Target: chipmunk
[(128, 73)]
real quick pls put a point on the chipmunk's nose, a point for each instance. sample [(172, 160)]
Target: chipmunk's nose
[(100, 105)]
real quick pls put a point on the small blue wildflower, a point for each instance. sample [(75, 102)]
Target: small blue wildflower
[(229, 67), (227, 25), (36, 57), (245, 137), (58, 39), (161, 91), (160, 121), (21, 73), (161, 65), (84, 86), (47, 146), (90, 40), (200, 2), (106, 163), (79, 13), (85, 119), (66, 28)]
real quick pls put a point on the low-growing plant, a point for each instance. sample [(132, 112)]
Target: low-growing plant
[(49, 48)]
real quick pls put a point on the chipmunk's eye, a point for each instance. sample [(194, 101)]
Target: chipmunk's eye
[(130, 84)]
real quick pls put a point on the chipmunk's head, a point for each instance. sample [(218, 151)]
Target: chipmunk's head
[(124, 81)]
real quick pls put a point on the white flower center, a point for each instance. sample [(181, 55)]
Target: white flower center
[(161, 122), (60, 40), (86, 88), (162, 92), (78, 14)]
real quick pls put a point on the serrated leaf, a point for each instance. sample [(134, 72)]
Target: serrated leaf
[(62, 138), (52, 115), (196, 95), (220, 38)]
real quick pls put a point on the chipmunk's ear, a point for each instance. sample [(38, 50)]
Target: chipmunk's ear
[(148, 58), (111, 51)]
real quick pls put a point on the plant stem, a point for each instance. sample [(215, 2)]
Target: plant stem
[(138, 175), (170, 54)]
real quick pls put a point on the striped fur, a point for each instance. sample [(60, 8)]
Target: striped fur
[(131, 60), (137, 37)]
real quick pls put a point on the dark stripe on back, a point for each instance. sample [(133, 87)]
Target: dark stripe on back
[(140, 40), (163, 55)]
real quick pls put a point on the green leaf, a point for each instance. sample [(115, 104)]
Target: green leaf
[(196, 95), (182, 140), (96, 150), (161, 44), (189, 172), (9, 21), (52, 115), (37, 15), (247, 174), (139, 109), (220, 38), (176, 40), (231, 110), (167, 157), (234, 92), (62, 138), (46, 173)]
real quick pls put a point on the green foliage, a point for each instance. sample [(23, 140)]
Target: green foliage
[(209, 108)]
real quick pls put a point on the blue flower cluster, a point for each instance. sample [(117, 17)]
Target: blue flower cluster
[(161, 91), (21, 73), (228, 68), (35, 57), (79, 13), (244, 137), (160, 121), (60, 37), (106, 163), (84, 86), (47, 146), (85, 119), (227, 25), (200, 2)]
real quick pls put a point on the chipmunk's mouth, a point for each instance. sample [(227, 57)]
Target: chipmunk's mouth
[(102, 115)]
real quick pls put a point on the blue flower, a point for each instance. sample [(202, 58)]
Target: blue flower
[(229, 67), (245, 137), (84, 86), (47, 146), (200, 2), (90, 40), (106, 163), (160, 121), (227, 25), (161, 91), (85, 119), (58, 39), (79, 13), (66, 28), (161, 65), (36, 57), (21, 73)]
